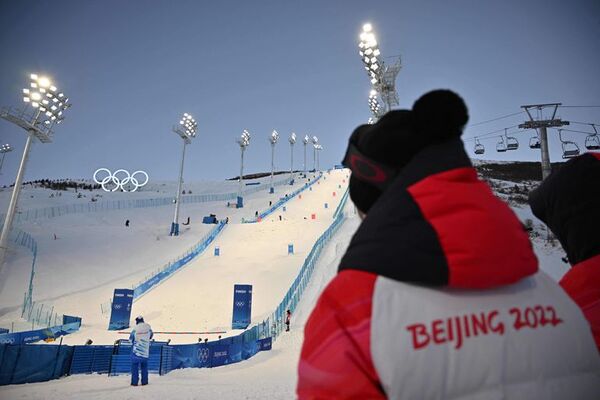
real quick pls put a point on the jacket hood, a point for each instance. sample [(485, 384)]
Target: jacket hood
[(568, 201), (438, 224)]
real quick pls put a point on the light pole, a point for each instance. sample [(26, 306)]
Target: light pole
[(382, 75), (5, 148), (273, 140), (292, 141), (243, 141), (318, 148), (315, 141), (187, 131), (305, 141), (47, 107)]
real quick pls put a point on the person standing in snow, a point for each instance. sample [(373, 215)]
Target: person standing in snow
[(438, 294), (288, 320), (140, 351), (568, 202)]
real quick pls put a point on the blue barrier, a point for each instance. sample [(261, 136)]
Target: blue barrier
[(281, 202), (342, 204), (90, 359), (33, 363), (170, 269), (32, 336)]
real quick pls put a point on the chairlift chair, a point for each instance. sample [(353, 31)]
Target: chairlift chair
[(592, 142), (569, 148), (512, 143), (501, 146), (534, 142), (479, 149)]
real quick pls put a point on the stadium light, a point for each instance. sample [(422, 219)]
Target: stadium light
[(315, 141), (44, 109), (374, 106), (273, 140), (318, 149), (186, 130), (305, 141), (5, 148), (243, 141), (381, 75), (292, 141)]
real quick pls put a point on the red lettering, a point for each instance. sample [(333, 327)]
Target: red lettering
[(437, 331), (479, 324), (531, 318), (519, 322), (450, 329), (541, 315), (554, 320), (467, 329), (458, 344), (496, 328), (419, 330)]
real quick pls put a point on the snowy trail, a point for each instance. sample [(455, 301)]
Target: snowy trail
[(268, 375)]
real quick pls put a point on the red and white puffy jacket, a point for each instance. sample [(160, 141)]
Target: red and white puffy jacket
[(438, 297)]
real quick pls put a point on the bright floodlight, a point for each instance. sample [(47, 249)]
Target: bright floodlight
[(45, 97), (306, 139), (188, 124), (292, 138), (381, 75), (274, 137), (244, 139), (5, 148), (315, 140)]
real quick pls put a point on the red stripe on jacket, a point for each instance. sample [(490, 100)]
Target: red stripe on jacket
[(582, 284), (336, 357), (464, 212)]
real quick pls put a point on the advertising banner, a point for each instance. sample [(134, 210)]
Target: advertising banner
[(242, 306), (121, 309)]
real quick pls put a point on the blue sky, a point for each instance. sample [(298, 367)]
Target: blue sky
[(132, 68)]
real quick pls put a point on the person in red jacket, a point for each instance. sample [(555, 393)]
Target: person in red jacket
[(568, 201), (438, 294)]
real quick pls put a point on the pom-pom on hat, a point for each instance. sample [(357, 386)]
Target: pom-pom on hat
[(376, 153)]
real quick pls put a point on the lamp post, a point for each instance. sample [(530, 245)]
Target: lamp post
[(305, 141), (382, 75), (5, 148), (318, 148), (315, 141), (273, 140), (243, 141), (38, 121), (187, 131), (292, 141)]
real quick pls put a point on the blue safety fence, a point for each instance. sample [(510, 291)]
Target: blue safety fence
[(33, 363), (282, 201), (167, 270), (68, 326), (80, 208), (342, 204)]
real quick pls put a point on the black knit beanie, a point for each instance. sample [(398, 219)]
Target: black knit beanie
[(437, 116)]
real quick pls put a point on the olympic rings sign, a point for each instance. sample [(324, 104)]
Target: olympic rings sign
[(119, 182)]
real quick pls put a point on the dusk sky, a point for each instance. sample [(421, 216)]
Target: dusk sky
[(131, 68)]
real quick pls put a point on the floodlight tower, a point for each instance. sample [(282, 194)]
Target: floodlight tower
[(187, 131), (273, 140), (382, 75), (315, 141), (306, 140), (47, 108), (292, 141), (5, 148), (243, 141), (318, 149)]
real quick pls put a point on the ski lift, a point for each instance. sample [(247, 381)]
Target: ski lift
[(501, 146), (592, 142), (511, 142), (534, 142), (569, 148), (479, 149)]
